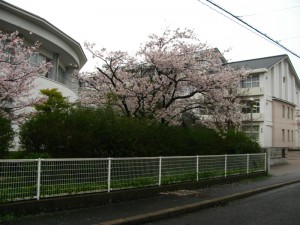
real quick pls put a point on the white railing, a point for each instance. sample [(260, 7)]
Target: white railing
[(41, 178)]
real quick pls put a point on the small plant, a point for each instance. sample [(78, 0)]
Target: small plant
[(177, 178), (7, 217), (210, 174), (134, 183), (75, 188)]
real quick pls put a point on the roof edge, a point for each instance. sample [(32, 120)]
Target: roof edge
[(283, 55), (49, 25)]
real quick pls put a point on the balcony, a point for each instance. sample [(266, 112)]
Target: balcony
[(255, 91), (46, 83), (256, 117)]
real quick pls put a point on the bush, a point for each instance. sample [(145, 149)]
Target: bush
[(237, 142), (78, 132), (43, 133), (90, 132), (6, 136), (27, 155)]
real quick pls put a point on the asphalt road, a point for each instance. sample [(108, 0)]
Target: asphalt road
[(277, 207)]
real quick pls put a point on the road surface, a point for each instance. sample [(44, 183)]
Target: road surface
[(277, 207)]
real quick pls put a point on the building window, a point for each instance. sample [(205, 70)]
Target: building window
[(255, 106), (283, 134), (292, 136), (37, 59), (251, 81), (288, 112), (283, 79), (292, 113), (247, 106), (288, 134), (283, 111), (255, 131), (61, 75)]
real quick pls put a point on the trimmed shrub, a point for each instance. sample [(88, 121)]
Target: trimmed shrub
[(6, 136), (237, 142), (91, 132), (27, 155)]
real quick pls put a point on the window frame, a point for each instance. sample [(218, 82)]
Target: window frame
[(251, 81)]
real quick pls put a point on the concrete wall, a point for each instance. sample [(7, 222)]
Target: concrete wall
[(283, 125), (45, 83), (278, 156)]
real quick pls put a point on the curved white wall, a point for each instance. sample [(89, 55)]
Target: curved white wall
[(36, 28), (63, 51), (45, 83)]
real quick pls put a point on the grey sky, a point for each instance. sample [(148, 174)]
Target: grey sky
[(124, 24)]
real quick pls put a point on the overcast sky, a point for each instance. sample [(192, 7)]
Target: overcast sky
[(124, 24)]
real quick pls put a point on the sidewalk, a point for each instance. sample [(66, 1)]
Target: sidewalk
[(169, 203)]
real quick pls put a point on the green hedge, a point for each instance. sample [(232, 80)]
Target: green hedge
[(6, 136), (89, 132)]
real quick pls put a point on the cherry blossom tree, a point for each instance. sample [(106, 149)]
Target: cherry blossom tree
[(172, 76), (17, 74)]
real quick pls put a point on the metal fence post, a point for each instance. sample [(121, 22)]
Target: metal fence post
[(38, 182), (268, 161), (197, 167), (225, 169), (108, 174), (247, 163), (159, 171)]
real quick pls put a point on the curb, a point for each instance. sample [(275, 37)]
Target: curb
[(180, 210)]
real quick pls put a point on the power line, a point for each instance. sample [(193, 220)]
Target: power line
[(270, 11), (234, 20), (289, 38), (257, 32)]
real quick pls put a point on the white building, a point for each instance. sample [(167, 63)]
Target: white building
[(273, 90), (64, 52)]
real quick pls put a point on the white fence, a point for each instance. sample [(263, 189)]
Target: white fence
[(40, 178)]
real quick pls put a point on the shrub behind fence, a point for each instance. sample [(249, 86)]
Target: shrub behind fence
[(41, 178)]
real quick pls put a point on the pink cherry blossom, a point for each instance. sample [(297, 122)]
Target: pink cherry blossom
[(17, 74), (171, 75)]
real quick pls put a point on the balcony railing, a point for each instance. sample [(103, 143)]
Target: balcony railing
[(251, 91)]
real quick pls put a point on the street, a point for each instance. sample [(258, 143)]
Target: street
[(276, 207)]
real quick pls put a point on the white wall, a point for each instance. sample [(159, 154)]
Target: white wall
[(45, 83)]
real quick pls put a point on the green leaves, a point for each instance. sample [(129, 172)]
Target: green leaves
[(65, 130), (6, 135), (96, 132), (55, 101)]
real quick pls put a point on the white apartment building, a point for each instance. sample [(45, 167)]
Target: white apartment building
[(64, 52), (273, 91)]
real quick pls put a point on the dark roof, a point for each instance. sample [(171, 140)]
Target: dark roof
[(259, 63)]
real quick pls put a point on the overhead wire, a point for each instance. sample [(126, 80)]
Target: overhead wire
[(270, 11), (289, 38), (232, 20), (246, 25)]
